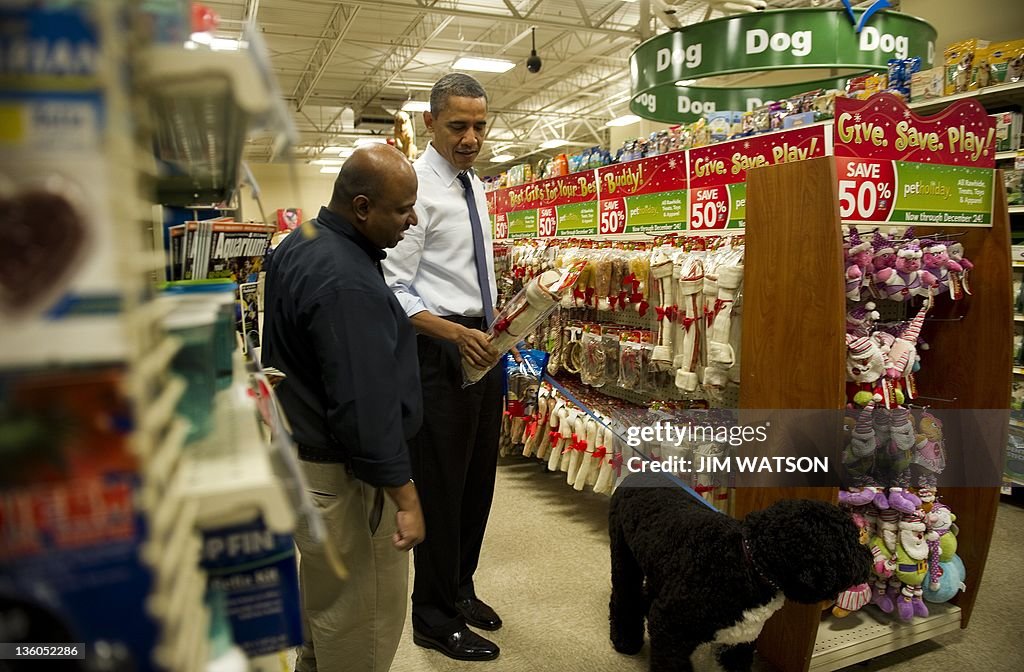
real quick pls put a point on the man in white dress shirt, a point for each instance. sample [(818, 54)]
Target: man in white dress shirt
[(443, 275)]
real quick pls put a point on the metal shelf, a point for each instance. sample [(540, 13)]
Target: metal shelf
[(869, 633), (1006, 156), (993, 96), (1016, 209)]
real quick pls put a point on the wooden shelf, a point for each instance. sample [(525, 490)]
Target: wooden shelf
[(993, 96), (869, 633), (793, 211)]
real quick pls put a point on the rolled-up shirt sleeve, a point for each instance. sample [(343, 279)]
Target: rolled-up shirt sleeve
[(402, 263), (355, 337)]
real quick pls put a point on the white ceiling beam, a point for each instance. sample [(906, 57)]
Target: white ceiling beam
[(337, 28), (405, 6)]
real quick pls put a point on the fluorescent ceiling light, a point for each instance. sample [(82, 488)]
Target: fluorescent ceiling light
[(553, 143), (416, 106), (328, 162), (501, 158), (346, 152), (334, 170), (215, 43), (367, 141), (334, 149), (624, 120), (686, 82), (483, 64)]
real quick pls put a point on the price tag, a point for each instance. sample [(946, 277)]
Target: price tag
[(866, 189), (709, 208), (613, 217), (501, 226), (547, 222)]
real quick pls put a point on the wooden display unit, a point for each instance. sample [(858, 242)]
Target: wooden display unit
[(794, 353)]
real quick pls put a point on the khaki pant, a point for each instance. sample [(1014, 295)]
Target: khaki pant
[(353, 625)]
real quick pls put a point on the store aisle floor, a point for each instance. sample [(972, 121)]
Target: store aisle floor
[(545, 570)]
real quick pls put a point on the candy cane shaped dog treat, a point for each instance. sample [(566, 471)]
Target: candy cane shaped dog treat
[(691, 285), (578, 449), (661, 273), (587, 461)]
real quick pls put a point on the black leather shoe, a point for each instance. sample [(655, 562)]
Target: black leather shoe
[(478, 614), (461, 645)]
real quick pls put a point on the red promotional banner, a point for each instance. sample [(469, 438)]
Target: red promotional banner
[(492, 197), (883, 127), (655, 174), (728, 162), (564, 190)]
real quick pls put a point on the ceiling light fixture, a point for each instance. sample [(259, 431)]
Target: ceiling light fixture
[(328, 162), (332, 170), (554, 143), (416, 106), (624, 120), (369, 141), (501, 158), (333, 149), (686, 82), (483, 64), (346, 152)]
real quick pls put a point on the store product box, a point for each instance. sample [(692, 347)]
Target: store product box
[(723, 125), (1014, 183), (1008, 128), (801, 119), (1017, 253), (927, 84)]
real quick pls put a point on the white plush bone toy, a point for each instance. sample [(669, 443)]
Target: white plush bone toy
[(539, 426), (555, 418), (518, 318), (590, 460), (578, 425), (606, 479), (691, 283), (565, 423), (577, 449), (722, 356), (661, 273)]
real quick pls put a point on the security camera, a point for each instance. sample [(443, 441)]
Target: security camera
[(533, 63)]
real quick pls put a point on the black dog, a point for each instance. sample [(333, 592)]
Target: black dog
[(701, 577)]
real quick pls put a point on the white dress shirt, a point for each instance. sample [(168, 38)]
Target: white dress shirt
[(433, 268)]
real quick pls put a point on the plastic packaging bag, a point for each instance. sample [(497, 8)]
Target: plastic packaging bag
[(522, 382)]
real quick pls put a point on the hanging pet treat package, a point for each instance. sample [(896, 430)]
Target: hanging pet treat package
[(631, 358), (610, 344), (522, 382), (592, 370), (523, 313)]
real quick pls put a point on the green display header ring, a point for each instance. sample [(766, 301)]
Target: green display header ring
[(785, 39)]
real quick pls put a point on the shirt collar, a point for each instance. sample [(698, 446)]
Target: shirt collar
[(440, 165), (335, 222)]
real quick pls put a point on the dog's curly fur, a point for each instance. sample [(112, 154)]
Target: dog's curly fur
[(683, 567)]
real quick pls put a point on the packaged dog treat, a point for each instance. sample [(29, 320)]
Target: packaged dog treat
[(522, 382), (959, 59), (927, 84), (999, 63)]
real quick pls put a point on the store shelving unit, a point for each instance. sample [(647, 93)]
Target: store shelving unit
[(993, 96), (792, 213)]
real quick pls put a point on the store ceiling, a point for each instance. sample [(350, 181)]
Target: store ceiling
[(368, 56)]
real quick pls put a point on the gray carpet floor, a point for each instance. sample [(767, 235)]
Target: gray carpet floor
[(545, 568)]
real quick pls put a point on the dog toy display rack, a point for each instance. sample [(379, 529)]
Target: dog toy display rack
[(793, 212)]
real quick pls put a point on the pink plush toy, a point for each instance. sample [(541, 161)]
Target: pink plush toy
[(883, 252), (937, 262), (858, 265), (906, 279), (861, 320)]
